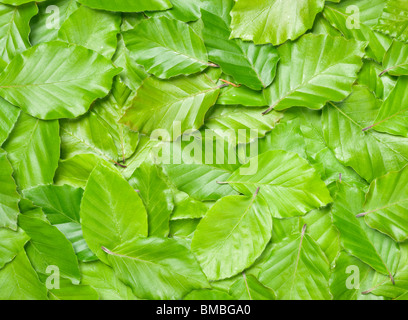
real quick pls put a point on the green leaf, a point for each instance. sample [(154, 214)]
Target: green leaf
[(14, 29), (289, 184), (49, 247), (232, 235), (369, 153), (69, 291), (349, 277), (297, 269), (394, 20), (198, 173), (157, 197), (75, 171), (31, 167), (20, 282), (386, 205), (371, 247), (368, 76), (393, 115), (8, 117), (249, 288), (395, 61), (137, 264), (241, 95), (132, 74), (109, 111), (183, 10), (98, 132), (186, 207), (61, 205), (309, 81), (249, 64), (18, 2), (51, 14), (322, 230), (166, 47), (80, 28), (9, 197), (320, 155), (102, 278), (232, 120), (286, 136), (163, 104), (208, 294), (11, 243), (111, 211), (88, 135), (256, 21), (127, 5), (56, 80), (355, 19)]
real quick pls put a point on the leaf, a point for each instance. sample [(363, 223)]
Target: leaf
[(393, 115), (18, 2), (232, 120), (355, 19), (249, 288), (297, 269), (309, 81), (68, 291), (343, 280), (20, 282), (80, 28), (183, 10), (9, 197), (111, 211), (369, 153), (8, 117), (386, 205), (49, 247), (127, 5), (232, 235), (109, 111), (183, 229), (11, 243), (88, 135), (166, 47), (371, 247), (198, 173), (138, 262), (249, 64), (32, 168), (132, 74), (368, 76), (289, 184), (207, 295), (157, 197), (75, 171), (241, 95), (395, 61), (61, 205), (102, 278), (254, 21), (165, 104), (14, 29), (394, 21), (63, 79), (45, 25), (322, 230), (186, 207), (320, 155)]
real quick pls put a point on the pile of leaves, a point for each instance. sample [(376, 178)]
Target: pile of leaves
[(317, 89)]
